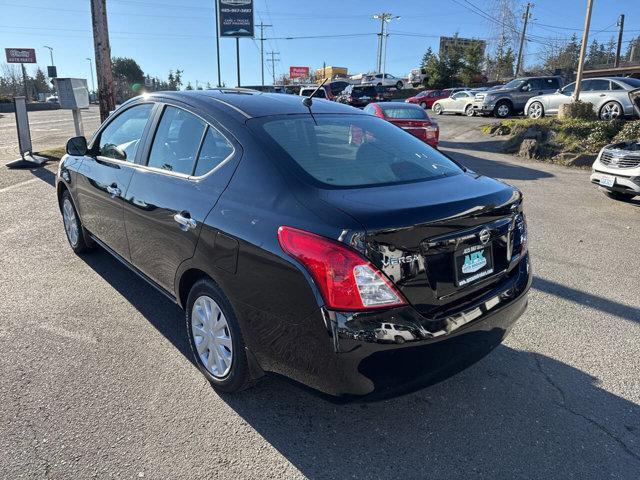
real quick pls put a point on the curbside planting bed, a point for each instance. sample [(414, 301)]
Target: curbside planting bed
[(570, 142)]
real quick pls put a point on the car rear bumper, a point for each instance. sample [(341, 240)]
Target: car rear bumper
[(375, 363)]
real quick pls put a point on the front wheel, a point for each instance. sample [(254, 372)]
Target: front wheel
[(77, 236), (469, 112), (423, 105), (437, 108), (215, 338), (620, 196), (399, 86), (536, 110), (502, 110)]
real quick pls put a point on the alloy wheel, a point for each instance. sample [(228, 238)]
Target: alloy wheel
[(469, 111), (212, 336), (535, 110), (70, 222), (610, 111), (503, 110)]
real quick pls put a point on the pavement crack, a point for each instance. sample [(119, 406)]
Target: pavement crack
[(563, 404)]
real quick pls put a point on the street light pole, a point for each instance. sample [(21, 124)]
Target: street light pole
[(50, 53), (215, 6), (583, 50), (93, 85)]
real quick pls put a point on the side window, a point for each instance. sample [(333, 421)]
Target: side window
[(369, 109), (598, 85), (119, 140), (215, 149), (616, 86), (176, 142), (585, 85), (568, 90), (551, 84), (458, 95)]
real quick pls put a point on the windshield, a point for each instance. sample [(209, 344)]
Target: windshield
[(422, 94), (513, 84), (352, 150)]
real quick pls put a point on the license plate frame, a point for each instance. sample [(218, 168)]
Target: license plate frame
[(471, 258), (608, 181)]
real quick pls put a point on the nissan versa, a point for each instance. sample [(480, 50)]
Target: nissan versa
[(357, 268)]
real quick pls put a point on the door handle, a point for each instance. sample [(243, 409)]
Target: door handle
[(113, 191), (185, 221), (603, 94)]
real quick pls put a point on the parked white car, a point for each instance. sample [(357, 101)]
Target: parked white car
[(391, 332), (609, 96), (617, 170), (380, 80), (459, 102), (308, 91)]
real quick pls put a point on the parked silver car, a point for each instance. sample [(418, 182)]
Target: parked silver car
[(609, 96)]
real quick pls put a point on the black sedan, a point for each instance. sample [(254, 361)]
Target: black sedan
[(369, 267)]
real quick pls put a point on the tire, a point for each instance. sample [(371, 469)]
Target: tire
[(399, 340), (379, 85), (468, 111), (79, 239), (423, 105), (536, 110), (437, 109), (611, 111), (502, 109), (228, 371), (399, 86), (620, 196)]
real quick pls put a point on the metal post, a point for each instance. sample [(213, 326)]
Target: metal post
[(102, 49), (621, 25), (522, 37), (93, 84), (238, 58), (217, 41), (77, 122), (379, 53), (262, 39), (583, 50), (24, 81), (384, 64)]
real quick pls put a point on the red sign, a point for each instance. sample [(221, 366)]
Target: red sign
[(298, 72), (20, 55)]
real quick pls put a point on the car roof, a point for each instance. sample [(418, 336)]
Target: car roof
[(245, 103)]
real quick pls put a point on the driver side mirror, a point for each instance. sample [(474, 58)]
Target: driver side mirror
[(77, 146)]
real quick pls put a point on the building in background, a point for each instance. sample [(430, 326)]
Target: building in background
[(446, 42), (330, 73)]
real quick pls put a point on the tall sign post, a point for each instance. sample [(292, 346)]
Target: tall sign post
[(27, 158), (235, 20), (21, 56), (102, 48)]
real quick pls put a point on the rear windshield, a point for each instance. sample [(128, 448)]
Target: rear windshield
[(632, 82), (404, 112), (353, 150)]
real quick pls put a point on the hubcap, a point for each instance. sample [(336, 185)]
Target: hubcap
[(503, 110), (212, 336), (535, 111), (610, 111), (70, 222)]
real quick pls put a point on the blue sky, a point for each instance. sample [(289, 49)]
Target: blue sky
[(170, 34)]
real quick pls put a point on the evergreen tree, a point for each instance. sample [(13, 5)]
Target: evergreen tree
[(472, 64), (189, 86)]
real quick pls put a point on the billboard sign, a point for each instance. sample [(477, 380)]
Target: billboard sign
[(20, 55), (235, 18), (298, 72)]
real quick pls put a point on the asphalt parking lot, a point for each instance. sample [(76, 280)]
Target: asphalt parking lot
[(96, 382)]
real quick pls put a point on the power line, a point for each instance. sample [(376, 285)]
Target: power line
[(273, 61)]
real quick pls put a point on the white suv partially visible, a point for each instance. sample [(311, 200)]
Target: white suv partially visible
[(617, 170)]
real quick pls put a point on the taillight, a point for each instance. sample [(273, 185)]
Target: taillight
[(346, 280)]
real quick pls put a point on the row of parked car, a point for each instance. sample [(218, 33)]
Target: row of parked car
[(611, 97)]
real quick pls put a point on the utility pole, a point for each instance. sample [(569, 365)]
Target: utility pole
[(262, 39), (93, 85), (215, 6), (583, 50), (384, 17), (621, 25), (273, 61), (525, 17), (103, 58), (238, 58)]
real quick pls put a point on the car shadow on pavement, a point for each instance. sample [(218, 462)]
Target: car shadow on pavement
[(489, 146), (514, 414), (592, 301), (498, 169)]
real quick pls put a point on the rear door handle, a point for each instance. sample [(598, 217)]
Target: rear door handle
[(185, 221), (603, 94), (113, 190)]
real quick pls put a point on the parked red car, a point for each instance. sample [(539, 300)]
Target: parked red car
[(426, 98), (411, 118)]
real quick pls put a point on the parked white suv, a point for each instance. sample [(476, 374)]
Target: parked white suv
[(617, 170), (382, 80)]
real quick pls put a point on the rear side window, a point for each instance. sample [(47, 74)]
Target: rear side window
[(597, 85), (215, 149), (175, 145), (119, 140), (404, 113), (353, 150)]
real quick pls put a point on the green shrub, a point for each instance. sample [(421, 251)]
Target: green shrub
[(630, 131), (578, 110), (603, 133)]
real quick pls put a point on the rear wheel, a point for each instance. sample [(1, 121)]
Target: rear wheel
[(399, 85), (620, 196), (536, 110), (502, 109), (215, 338), (423, 105), (469, 112), (437, 108), (77, 236), (611, 111)]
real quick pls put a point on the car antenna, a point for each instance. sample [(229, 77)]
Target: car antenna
[(308, 101)]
